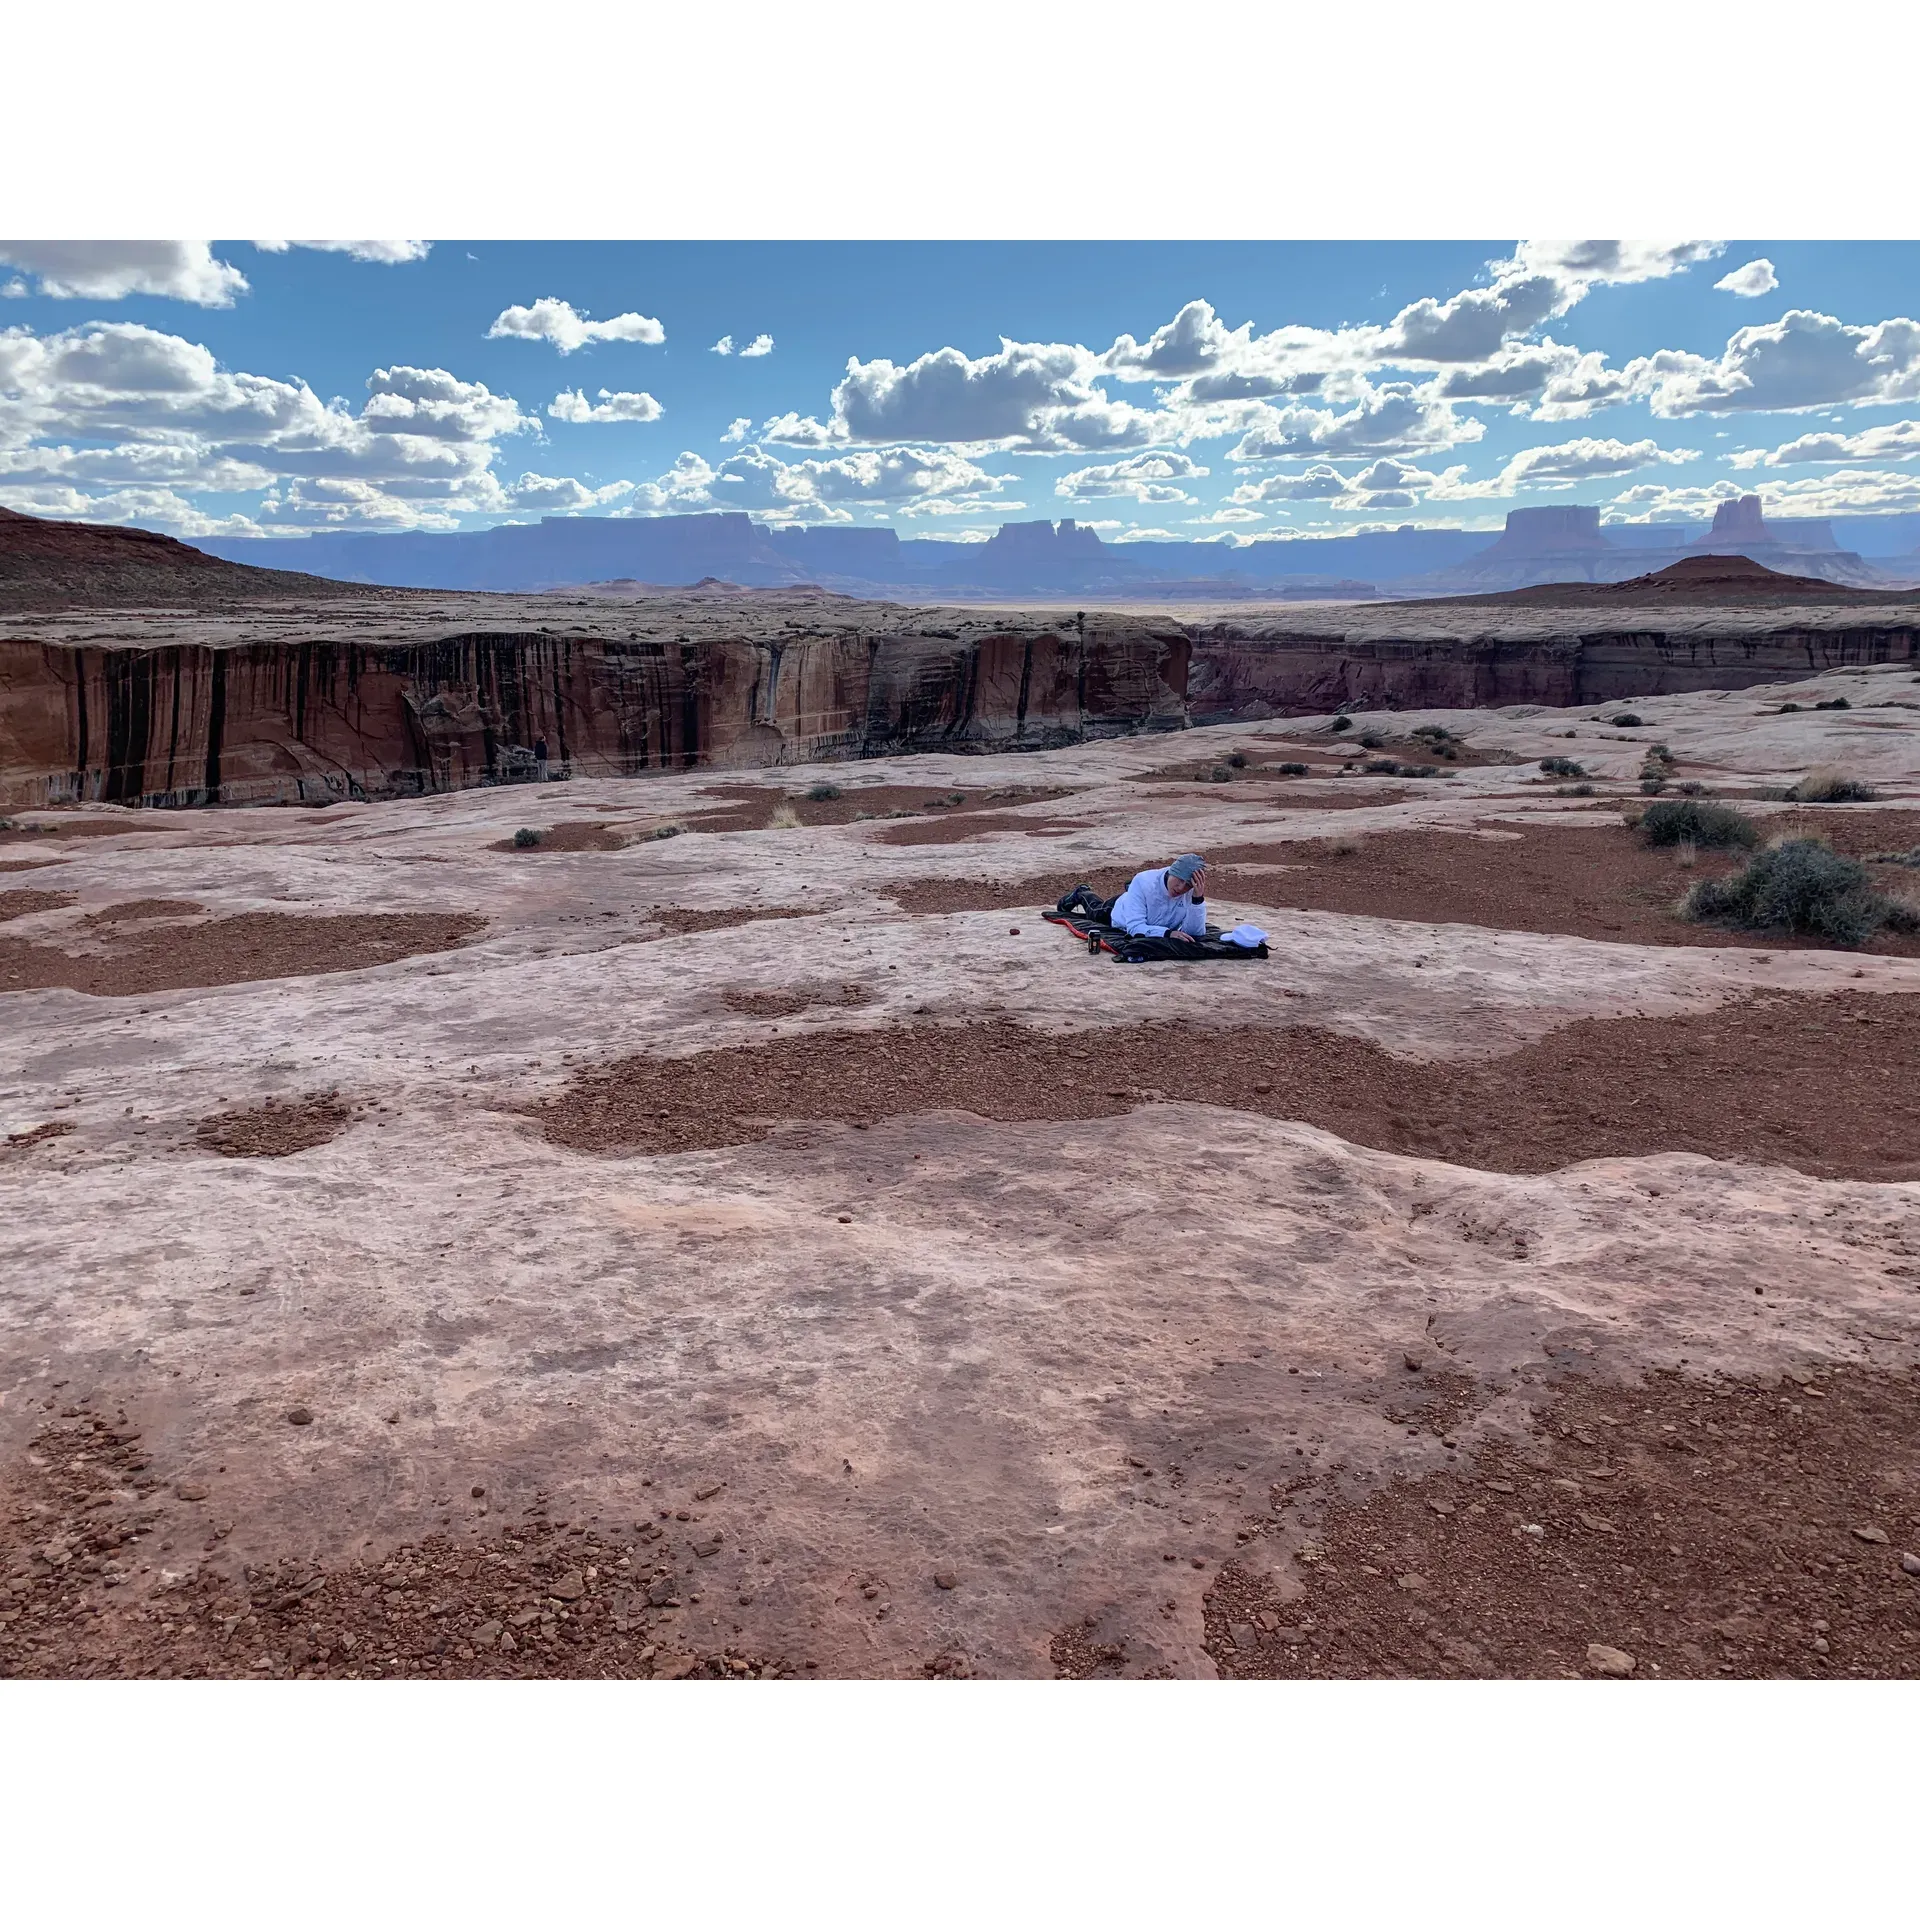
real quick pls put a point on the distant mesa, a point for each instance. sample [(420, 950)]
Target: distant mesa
[(1553, 545), (1532, 531)]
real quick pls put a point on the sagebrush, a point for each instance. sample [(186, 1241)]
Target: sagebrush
[(1705, 823), (1803, 887)]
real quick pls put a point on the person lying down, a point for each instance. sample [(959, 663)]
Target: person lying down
[(1161, 913), (1167, 902)]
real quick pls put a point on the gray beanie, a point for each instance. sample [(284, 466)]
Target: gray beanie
[(1187, 866)]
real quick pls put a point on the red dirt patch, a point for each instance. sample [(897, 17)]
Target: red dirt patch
[(753, 807), (245, 946), (144, 910), (1598, 883), (777, 1006), (1854, 831), (706, 919), (572, 836), (87, 827), (973, 826), (1815, 1082), (46, 1130), (990, 896), (536, 1599), (274, 1129), (1700, 1527), (17, 902)]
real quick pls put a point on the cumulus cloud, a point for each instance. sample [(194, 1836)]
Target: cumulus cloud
[(758, 347), (1319, 482), (1800, 361), (112, 269), (559, 494), (1848, 491), (1226, 516), (574, 406), (556, 321), (1542, 281), (723, 345), (1576, 460), (737, 430), (1214, 380), (1028, 397), (1195, 341), (756, 481), (1389, 483), (1146, 477), (386, 253), (1749, 282), (1397, 418), (131, 410), (157, 507), (1898, 440)]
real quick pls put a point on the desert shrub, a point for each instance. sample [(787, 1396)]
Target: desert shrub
[(1832, 706), (1911, 858), (1236, 759), (1584, 791), (526, 836), (1291, 767), (1340, 723), (1659, 754), (1800, 886), (1383, 766), (1691, 787), (666, 830), (1561, 767), (1792, 706), (1702, 823), (1437, 736), (1628, 720), (823, 790), (1652, 783), (1373, 740), (1831, 784), (1219, 773), (783, 816)]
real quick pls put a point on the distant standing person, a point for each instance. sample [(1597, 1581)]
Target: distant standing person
[(540, 756)]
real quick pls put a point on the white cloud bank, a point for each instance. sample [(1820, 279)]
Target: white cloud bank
[(557, 322), (575, 407), (385, 253), (113, 269), (1897, 440), (150, 418), (1749, 282)]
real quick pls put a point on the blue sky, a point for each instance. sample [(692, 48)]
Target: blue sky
[(1155, 390)]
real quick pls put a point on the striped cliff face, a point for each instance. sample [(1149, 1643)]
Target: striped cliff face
[(278, 708)]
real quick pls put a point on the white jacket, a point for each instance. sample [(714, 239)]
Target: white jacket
[(1147, 907)]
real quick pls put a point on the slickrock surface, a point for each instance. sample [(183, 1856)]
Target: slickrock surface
[(757, 1249)]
